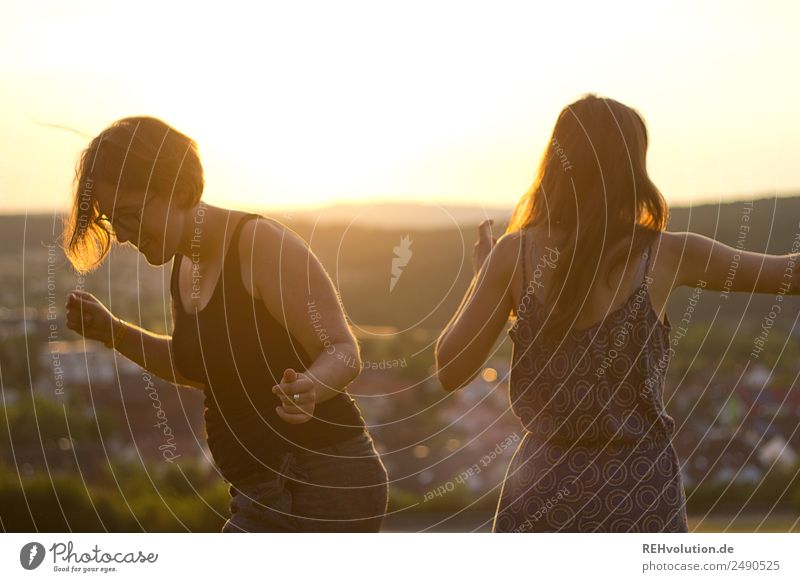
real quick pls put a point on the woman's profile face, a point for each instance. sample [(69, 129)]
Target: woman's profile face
[(145, 222)]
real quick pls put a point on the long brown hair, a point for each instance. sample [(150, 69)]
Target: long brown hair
[(592, 184), (132, 154)]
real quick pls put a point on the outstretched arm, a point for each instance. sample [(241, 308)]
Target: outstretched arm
[(725, 268)]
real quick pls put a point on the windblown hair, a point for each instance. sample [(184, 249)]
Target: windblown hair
[(133, 154), (592, 184)]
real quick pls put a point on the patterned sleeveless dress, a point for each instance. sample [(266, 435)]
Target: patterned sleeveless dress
[(597, 453)]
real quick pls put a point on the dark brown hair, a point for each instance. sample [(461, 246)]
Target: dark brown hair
[(132, 154), (592, 183)]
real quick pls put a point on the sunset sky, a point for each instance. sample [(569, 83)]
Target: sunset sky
[(301, 104)]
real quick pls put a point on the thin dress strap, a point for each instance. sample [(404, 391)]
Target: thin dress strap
[(644, 265), (649, 253)]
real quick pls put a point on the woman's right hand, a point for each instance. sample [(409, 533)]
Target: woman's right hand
[(88, 316)]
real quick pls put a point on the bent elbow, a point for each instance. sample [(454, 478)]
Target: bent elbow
[(447, 372), (448, 376), (447, 382), (456, 367), (351, 357)]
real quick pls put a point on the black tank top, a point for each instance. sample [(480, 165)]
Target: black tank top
[(238, 350)]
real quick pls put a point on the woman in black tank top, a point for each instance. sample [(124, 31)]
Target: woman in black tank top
[(257, 326)]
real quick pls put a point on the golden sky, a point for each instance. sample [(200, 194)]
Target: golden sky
[(300, 104)]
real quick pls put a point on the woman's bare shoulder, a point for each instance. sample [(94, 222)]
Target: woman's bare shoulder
[(668, 248), (265, 235), (507, 252), (266, 246)]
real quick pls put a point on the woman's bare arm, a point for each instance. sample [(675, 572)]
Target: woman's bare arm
[(465, 343), (87, 315), (724, 268), (294, 287), (152, 352)]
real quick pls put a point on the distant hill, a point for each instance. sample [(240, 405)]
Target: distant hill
[(393, 216)]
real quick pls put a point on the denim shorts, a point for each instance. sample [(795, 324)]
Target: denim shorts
[(338, 488)]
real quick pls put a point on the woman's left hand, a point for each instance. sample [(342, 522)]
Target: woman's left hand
[(298, 397), (484, 245)]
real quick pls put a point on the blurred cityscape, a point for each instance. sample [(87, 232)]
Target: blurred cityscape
[(109, 446)]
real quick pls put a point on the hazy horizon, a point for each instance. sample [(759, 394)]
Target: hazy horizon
[(416, 203), (368, 103)]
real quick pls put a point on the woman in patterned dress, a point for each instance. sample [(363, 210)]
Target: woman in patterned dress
[(586, 269)]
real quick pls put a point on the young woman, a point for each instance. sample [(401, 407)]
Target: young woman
[(586, 268), (257, 326)]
